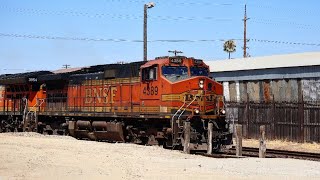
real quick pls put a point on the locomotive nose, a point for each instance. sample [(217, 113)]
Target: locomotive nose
[(205, 83)]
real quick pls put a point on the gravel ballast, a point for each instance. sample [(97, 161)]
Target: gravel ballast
[(35, 156)]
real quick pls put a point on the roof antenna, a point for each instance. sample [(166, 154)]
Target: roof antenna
[(66, 66), (175, 52)]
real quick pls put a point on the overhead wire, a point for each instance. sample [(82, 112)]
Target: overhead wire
[(71, 13), (287, 9), (29, 36), (277, 22), (138, 17), (198, 3), (152, 41), (174, 2), (130, 16), (106, 15), (285, 42), (65, 38)]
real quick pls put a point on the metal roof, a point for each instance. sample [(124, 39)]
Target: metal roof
[(26, 75), (263, 74), (21, 78), (69, 70), (267, 62)]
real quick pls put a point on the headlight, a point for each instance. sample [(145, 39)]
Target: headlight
[(223, 111), (201, 83), (196, 111)]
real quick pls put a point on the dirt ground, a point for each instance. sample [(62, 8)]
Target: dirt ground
[(35, 156)]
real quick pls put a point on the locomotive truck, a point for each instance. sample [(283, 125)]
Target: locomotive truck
[(144, 102)]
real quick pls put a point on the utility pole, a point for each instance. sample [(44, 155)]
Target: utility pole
[(175, 52), (145, 21), (145, 33), (65, 66), (245, 32)]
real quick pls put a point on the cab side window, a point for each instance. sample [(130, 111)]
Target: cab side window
[(150, 73)]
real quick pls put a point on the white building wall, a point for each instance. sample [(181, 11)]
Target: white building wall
[(226, 91)]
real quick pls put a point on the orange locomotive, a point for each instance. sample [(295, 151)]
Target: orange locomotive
[(17, 95), (141, 102)]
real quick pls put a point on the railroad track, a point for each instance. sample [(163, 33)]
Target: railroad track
[(275, 153), (271, 153)]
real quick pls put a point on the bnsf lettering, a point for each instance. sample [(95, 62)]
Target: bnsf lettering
[(190, 97), (210, 98), (100, 95)]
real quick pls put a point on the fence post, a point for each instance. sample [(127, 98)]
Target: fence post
[(247, 133), (238, 140), (210, 134), (301, 121), (273, 130), (262, 143), (300, 111), (186, 143)]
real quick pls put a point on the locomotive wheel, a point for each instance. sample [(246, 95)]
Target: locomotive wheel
[(167, 144)]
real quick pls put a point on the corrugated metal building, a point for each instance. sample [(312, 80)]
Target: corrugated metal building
[(281, 92), (282, 77)]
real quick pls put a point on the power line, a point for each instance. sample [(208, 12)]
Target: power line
[(130, 16), (104, 39), (151, 41), (198, 3), (65, 38), (71, 13), (106, 15), (174, 3), (191, 18), (193, 41), (285, 42), (273, 22), (287, 9)]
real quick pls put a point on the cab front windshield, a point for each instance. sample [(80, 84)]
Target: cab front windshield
[(175, 73), (199, 71)]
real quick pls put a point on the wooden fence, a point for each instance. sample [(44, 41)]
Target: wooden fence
[(291, 121)]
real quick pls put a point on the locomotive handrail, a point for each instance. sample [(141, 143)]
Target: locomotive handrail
[(172, 119), (36, 105), (181, 114), (32, 110), (184, 99), (195, 97)]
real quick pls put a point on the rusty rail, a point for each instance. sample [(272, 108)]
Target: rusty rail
[(275, 153)]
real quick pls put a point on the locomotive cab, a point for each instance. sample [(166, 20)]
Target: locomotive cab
[(188, 94)]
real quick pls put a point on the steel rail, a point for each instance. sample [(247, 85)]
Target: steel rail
[(271, 153)]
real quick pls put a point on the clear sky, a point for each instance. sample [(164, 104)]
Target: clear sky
[(30, 29)]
